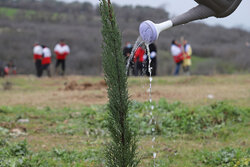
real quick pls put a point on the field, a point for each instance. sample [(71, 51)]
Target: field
[(203, 121)]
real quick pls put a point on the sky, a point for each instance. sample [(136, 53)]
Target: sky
[(240, 18)]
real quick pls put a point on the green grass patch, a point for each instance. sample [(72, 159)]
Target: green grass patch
[(19, 155), (8, 12), (226, 157), (172, 118), (186, 136)]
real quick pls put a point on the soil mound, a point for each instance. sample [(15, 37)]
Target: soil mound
[(73, 85)]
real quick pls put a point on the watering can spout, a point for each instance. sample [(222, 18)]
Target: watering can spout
[(150, 31)]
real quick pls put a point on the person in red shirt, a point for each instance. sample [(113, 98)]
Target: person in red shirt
[(138, 60), (177, 53), (37, 56), (6, 70), (46, 60), (62, 51)]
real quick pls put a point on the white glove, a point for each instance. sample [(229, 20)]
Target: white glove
[(153, 55)]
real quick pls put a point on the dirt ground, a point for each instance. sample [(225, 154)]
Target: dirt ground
[(77, 91)]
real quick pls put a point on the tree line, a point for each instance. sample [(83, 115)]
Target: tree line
[(24, 22)]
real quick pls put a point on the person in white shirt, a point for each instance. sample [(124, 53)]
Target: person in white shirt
[(177, 53), (37, 56), (62, 51), (46, 60)]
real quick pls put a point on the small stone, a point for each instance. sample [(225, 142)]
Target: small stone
[(210, 96), (16, 133), (23, 121)]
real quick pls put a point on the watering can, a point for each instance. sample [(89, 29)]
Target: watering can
[(150, 31)]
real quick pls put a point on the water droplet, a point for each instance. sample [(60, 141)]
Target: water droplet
[(154, 155)]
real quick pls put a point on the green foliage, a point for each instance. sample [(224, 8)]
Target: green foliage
[(172, 119), (18, 155), (121, 151), (19, 149), (227, 157), (222, 120), (177, 119), (9, 12)]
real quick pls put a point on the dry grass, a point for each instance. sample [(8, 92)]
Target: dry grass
[(30, 91)]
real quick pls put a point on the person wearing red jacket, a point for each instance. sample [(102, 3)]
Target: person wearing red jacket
[(62, 51), (46, 60), (138, 60), (177, 53), (37, 56)]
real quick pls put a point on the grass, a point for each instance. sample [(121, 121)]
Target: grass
[(9, 12), (197, 132), (14, 13)]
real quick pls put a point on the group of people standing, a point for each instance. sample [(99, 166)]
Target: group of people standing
[(139, 64), (181, 53), (42, 57)]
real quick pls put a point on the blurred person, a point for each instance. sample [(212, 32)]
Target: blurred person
[(126, 53), (127, 50), (10, 68), (1, 69), (138, 60), (61, 50), (6, 70), (247, 44), (37, 55), (46, 60), (187, 53), (176, 51), (153, 56)]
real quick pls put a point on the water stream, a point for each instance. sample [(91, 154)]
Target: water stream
[(152, 121), (139, 42)]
